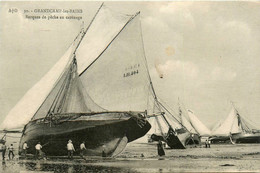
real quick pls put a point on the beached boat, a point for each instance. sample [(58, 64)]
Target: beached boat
[(97, 92), (178, 133), (202, 130), (235, 129), (248, 132)]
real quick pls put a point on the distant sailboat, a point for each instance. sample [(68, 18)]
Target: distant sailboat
[(177, 135), (248, 133), (198, 125), (225, 129), (97, 92), (235, 129), (193, 139)]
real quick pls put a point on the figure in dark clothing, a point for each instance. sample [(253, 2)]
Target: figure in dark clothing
[(25, 146), (206, 143), (160, 148), (104, 154), (11, 152), (3, 151)]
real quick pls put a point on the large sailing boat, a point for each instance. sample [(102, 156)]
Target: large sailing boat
[(97, 92)]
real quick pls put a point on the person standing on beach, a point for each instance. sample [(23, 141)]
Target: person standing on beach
[(82, 148), (70, 149), (104, 154), (206, 143), (38, 148), (160, 148), (11, 152), (3, 151), (25, 146), (209, 143)]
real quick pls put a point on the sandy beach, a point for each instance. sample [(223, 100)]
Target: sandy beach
[(141, 157)]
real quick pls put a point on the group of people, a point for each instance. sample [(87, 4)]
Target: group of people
[(40, 154), (207, 143), (10, 151), (71, 149)]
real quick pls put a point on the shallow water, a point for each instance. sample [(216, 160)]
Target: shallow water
[(42, 166), (140, 157)]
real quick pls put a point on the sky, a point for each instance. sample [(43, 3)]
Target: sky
[(208, 53)]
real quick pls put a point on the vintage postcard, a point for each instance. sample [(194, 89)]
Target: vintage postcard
[(129, 86)]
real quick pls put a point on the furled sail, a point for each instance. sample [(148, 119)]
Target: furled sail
[(198, 125), (32, 100), (67, 96)]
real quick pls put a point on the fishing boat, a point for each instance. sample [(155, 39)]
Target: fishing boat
[(222, 134), (235, 129), (180, 133), (97, 92), (248, 132), (200, 128)]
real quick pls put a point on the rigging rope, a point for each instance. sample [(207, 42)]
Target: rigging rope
[(173, 116)]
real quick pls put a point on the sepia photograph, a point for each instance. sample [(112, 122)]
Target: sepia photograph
[(129, 86)]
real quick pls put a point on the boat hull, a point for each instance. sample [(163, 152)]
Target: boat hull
[(220, 139), (246, 137), (181, 140), (100, 133)]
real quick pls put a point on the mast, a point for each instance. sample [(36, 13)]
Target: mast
[(172, 116), (73, 54), (151, 83), (84, 32), (180, 111), (242, 124)]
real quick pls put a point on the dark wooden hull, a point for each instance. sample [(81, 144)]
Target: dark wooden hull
[(109, 131), (246, 137), (183, 140), (220, 139), (180, 140)]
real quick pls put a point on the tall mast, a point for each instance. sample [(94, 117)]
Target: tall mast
[(151, 83), (84, 32)]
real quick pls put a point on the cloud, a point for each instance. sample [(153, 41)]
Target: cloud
[(186, 68), (219, 73)]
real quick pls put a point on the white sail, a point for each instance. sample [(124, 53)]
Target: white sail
[(188, 125), (103, 29), (198, 125), (159, 126), (229, 125), (118, 80), (106, 25), (31, 101)]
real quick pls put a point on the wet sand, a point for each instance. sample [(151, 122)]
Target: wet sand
[(138, 157)]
